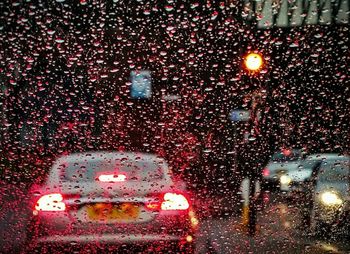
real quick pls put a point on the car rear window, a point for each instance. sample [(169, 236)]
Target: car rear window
[(140, 170), (292, 156), (309, 164)]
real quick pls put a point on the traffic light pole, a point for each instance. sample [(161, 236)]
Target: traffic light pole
[(252, 211), (253, 63)]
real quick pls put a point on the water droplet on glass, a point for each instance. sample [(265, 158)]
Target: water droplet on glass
[(59, 40), (169, 8)]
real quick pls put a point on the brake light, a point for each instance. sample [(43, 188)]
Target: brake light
[(173, 201), (167, 201), (266, 172), (112, 178), (50, 202)]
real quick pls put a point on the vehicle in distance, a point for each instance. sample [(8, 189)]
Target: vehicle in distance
[(309, 168), (331, 197), (112, 199), (282, 169)]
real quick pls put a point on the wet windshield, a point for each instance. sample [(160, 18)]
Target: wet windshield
[(232, 95)]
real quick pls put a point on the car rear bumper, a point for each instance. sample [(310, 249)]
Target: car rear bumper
[(109, 239), (131, 243), (270, 184), (166, 231), (346, 206)]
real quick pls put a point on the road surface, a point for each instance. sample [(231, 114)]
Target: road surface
[(278, 231)]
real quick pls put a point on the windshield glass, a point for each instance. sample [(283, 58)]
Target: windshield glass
[(231, 95)]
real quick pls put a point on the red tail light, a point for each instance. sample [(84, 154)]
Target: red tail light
[(50, 202), (173, 201), (169, 201), (266, 172)]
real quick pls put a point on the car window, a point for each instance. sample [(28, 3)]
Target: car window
[(102, 170), (291, 156), (334, 171), (309, 164)]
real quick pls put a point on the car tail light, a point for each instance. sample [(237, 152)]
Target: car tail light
[(266, 172), (174, 201), (50, 202), (169, 201)]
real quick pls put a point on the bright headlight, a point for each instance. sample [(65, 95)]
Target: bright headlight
[(331, 198), (285, 180)]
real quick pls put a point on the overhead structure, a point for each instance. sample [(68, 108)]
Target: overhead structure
[(284, 13)]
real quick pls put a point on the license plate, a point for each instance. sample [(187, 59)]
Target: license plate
[(113, 212)]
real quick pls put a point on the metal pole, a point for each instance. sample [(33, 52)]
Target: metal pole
[(252, 212)]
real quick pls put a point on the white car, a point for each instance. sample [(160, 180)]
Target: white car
[(113, 199), (282, 170), (330, 205)]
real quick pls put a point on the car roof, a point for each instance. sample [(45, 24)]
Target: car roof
[(327, 156)]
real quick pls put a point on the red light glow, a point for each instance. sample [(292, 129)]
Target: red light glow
[(173, 201), (286, 152), (266, 172), (50, 202)]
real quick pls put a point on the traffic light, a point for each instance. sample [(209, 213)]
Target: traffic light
[(253, 62)]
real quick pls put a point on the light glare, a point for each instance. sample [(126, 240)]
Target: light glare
[(331, 198), (253, 62), (285, 180), (173, 201), (112, 178), (50, 202)]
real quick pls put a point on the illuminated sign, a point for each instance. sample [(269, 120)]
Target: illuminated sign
[(239, 115), (141, 84)]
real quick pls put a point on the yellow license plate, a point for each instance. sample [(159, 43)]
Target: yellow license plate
[(107, 212)]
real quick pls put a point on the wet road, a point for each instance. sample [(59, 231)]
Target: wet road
[(278, 230)]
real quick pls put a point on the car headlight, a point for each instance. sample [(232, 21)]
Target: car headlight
[(285, 179), (331, 198)]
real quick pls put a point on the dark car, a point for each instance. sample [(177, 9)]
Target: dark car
[(282, 169)]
